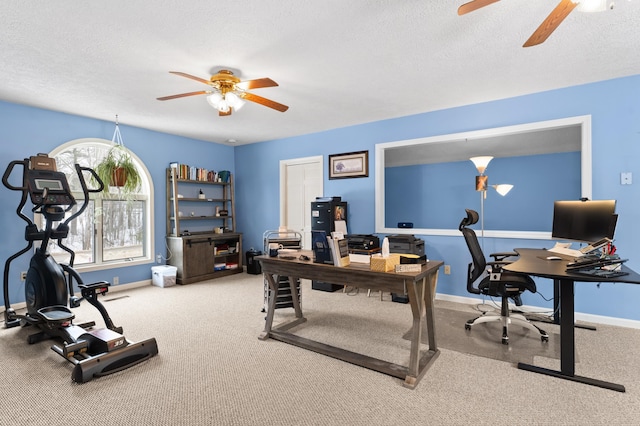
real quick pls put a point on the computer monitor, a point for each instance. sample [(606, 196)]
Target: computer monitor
[(586, 221)]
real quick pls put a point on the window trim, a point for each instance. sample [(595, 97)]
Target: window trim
[(147, 182)]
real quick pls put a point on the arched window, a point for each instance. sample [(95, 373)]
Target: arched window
[(116, 228)]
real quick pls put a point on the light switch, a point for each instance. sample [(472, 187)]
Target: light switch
[(625, 178)]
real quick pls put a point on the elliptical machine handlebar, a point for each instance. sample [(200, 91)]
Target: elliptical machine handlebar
[(85, 190), (23, 188)]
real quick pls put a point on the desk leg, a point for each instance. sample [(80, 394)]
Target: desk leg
[(429, 295), (295, 296), (271, 307), (421, 301), (556, 307), (567, 344), (567, 331), (416, 300)]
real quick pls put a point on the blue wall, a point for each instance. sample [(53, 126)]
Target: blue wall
[(433, 195), (615, 109), (614, 106), (26, 131)]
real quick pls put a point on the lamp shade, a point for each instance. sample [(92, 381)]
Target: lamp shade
[(503, 188), (481, 162)]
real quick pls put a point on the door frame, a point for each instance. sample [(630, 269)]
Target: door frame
[(283, 181)]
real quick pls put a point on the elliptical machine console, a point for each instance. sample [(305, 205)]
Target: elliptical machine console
[(49, 284)]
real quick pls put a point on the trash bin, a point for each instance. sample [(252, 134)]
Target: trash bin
[(163, 276), (253, 266)]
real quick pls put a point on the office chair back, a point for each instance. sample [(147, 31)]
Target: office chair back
[(479, 262)]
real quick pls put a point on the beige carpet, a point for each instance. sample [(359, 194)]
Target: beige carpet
[(213, 370)]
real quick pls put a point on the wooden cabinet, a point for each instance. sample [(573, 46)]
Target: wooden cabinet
[(201, 236), (203, 257)]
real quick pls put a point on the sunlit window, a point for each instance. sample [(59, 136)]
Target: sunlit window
[(115, 228)]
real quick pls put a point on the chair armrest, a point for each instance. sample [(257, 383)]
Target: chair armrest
[(503, 255)]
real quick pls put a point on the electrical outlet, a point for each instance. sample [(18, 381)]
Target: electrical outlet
[(158, 258), (116, 280), (23, 276), (447, 269), (626, 178)]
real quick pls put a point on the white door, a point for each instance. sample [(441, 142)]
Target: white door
[(301, 181)]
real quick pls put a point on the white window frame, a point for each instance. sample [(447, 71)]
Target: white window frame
[(146, 187)]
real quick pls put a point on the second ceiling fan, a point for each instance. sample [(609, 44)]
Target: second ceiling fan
[(548, 26)]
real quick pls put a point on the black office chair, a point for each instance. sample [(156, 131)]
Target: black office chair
[(494, 281)]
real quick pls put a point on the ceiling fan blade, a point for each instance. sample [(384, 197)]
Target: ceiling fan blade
[(256, 84), (264, 101), (474, 5), (555, 18), (182, 95), (192, 77)]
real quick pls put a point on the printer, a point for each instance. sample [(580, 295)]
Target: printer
[(406, 244), (362, 242)]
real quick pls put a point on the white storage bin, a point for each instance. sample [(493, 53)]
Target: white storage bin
[(164, 275)]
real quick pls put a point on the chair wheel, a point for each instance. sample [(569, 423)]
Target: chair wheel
[(505, 340), (544, 338), (467, 326)]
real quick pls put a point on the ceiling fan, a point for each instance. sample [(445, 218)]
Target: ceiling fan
[(548, 26), (228, 92)]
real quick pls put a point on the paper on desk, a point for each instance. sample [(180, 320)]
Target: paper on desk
[(341, 226), (360, 258), (562, 245)]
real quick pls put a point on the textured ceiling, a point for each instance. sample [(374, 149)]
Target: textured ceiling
[(338, 63)]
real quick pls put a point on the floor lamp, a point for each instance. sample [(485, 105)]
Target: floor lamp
[(482, 184)]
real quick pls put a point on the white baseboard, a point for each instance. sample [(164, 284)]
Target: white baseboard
[(112, 289), (596, 319)]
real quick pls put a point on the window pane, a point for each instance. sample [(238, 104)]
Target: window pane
[(80, 239), (123, 225), (85, 156)]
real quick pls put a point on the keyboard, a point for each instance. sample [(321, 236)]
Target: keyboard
[(566, 251)]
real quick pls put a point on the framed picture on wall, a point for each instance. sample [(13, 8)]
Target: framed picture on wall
[(349, 165)]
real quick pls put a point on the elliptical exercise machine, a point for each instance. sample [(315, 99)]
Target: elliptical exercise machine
[(48, 284)]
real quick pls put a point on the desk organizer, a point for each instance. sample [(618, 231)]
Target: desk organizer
[(384, 264)]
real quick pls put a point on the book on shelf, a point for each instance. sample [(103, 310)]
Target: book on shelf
[(187, 172)]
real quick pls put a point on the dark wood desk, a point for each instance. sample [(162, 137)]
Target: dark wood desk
[(420, 287), (534, 262)]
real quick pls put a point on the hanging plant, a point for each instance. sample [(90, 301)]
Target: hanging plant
[(117, 168)]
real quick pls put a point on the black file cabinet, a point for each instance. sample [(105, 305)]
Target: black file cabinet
[(324, 214)]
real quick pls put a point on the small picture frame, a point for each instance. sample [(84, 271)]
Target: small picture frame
[(349, 165)]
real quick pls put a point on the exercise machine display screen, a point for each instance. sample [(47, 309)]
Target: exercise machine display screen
[(43, 184), (49, 187)]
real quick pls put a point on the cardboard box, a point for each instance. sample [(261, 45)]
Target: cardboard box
[(164, 275), (384, 264)]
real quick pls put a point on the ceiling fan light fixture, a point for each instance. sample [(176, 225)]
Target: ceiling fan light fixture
[(214, 99), (234, 100), (223, 106), (591, 5)]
